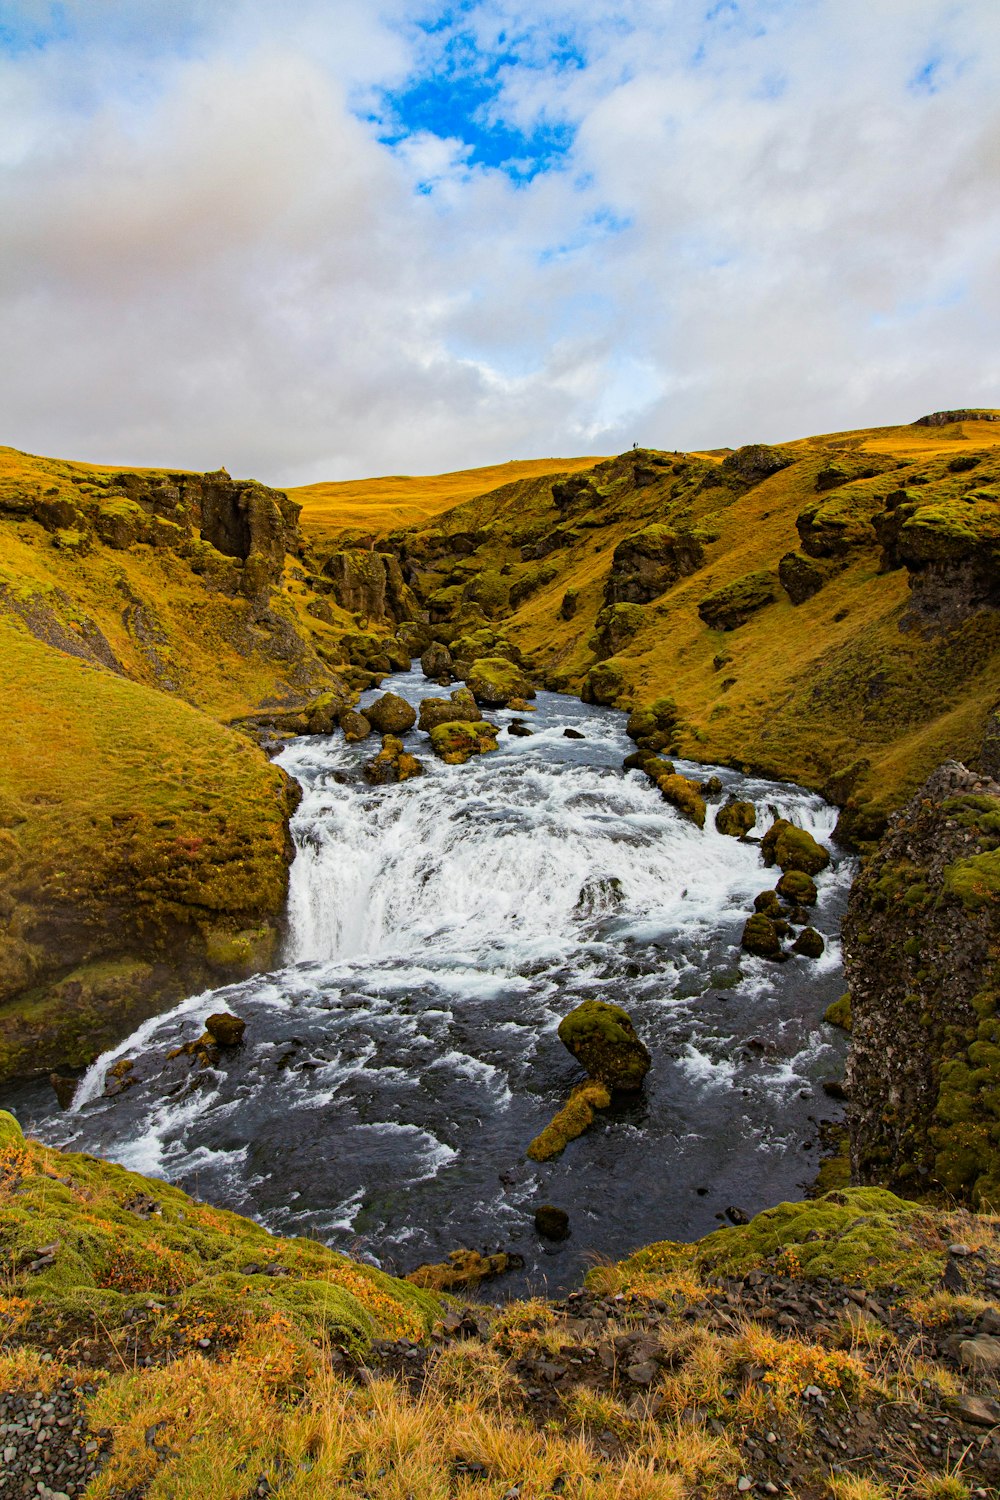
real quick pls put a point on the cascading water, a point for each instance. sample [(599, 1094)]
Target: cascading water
[(398, 1065)]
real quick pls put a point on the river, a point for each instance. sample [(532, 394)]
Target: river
[(399, 1062)]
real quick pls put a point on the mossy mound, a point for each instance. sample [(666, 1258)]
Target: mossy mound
[(735, 818), (732, 605), (792, 848), (456, 741), (605, 1043), (121, 1242), (838, 1013), (768, 904), (798, 888), (760, 936), (576, 1115), (392, 764), (809, 944), (460, 707)]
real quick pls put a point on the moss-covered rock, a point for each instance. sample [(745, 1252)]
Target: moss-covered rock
[(736, 818), (809, 943), (760, 936), (458, 708), (225, 1029), (436, 662), (683, 794), (392, 764), (768, 904), (732, 605), (802, 577), (457, 741), (493, 681), (604, 684), (798, 888), (391, 714), (617, 624), (838, 1012), (654, 726), (576, 1115), (792, 848), (647, 562), (605, 1043)]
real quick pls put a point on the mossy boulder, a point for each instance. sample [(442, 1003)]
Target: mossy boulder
[(760, 937), (685, 795), (792, 848), (736, 818), (354, 726), (457, 741), (605, 1043), (225, 1029), (604, 684), (801, 577), (798, 888), (809, 944), (617, 625), (838, 1012), (768, 904), (493, 681), (436, 662), (654, 726), (391, 714), (11, 1133), (732, 605), (392, 764), (458, 708), (647, 562)]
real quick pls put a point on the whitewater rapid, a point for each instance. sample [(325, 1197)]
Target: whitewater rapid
[(398, 1063)]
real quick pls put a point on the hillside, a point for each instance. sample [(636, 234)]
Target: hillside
[(824, 611)]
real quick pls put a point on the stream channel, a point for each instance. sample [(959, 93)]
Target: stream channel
[(397, 1066)]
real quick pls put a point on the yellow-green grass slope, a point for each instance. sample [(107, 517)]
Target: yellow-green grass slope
[(853, 690)]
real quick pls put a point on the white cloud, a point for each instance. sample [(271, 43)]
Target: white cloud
[(207, 257)]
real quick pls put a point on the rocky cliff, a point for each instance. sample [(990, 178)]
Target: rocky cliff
[(922, 951)]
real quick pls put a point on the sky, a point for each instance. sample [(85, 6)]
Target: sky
[(325, 239)]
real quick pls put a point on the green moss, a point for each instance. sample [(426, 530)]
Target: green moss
[(685, 795), (792, 848), (798, 888), (11, 1133), (576, 1115), (493, 681), (603, 1040), (975, 881), (838, 1013), (732, 605), (457, 741), (736, 818), (965, 1128)]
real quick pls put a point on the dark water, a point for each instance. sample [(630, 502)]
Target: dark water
[(395, 1070)]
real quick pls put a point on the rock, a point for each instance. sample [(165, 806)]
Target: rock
[(732, 605), (461, 707), (648, 562), (760, 937), (392, 764), (226, 1030), (391, 714), (792, 848), (551, 1223), (436, 662), (463, 1270), (838, 1013), (522, 706), (603, 684), (643, 1372), (457, 741), (370, 584), (603, 1040), (653, 727), (802, 577), (737, 1216), (735, 818), (712, 787), (755, 462), (683, 794), (576, 1115), (118, 1077), (834, 1088), (798, 888), (809, 944), (616, 626), (768, 905), (355, 726), (519, 730), (493, 681), (981, 1353), (980, 1411), (573, 734), (65, 1089)]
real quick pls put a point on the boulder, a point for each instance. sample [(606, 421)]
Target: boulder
[(226, 1030), (653, 727), (355, 726), (604, 684), (792, 848), (392, 764), (735, 818), (732, 605), (802, 577), (603, 1040), (798, 888), (551, 1223), (838, 1013), (391, 714), (457, 741), (767, 904), (711, 787), (459, 708), (648, 562), (436, 662), (683, 794), (809, 943), (760, 937), (494, 681)]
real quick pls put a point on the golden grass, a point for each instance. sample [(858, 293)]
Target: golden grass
[(395, 500)]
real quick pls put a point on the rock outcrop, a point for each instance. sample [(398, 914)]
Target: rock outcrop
[(649, 561), (371, 584), (922, 952)]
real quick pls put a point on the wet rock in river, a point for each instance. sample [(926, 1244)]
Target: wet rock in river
[(436, 662), (792, 848), (735, 818), (767, 904), (809, 944), (798, 888), (456, 742), (460, 707), (760, 937), (551, 1223), (603, 1040), (392, 764), (225, 1030), (355, 726), (391, 714)]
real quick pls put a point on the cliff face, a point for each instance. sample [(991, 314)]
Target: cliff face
[(922, 951)]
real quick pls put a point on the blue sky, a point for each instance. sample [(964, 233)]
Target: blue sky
[(355, 236)]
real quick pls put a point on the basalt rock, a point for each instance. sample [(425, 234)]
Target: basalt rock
[(809, 943), (436, 662), (648, 562), (391, 714), (460, 707), (552, 1223), (685, 795), (494, 681), (457, 741), (355, 726), (802, 577), (605, 1043), (760, 936), (792, 848), (225, 1029), (950, 546), (922, 954), (736, 818), (729, 607), (392, 764), (617, 625), (370, 584)]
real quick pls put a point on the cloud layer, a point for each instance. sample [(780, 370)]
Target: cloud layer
[(342, 238)]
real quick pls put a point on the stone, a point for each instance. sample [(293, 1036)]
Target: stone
[(436, 662), (494, 681), (355, 726), (573, 734), (551, 1223), (65, 1088), (760, 937), (458, 708), (683, 794), (792, 848), (809, 944), (643, 1372), (732, 605), (798, 888), (226, 1030), (392, 764), (768, 904), (981, 1411), (391, 714), (735, 818), (519, 730), (980, 1353), (456, 742), (604, 1041)]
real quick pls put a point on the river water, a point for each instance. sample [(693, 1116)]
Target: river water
[(397, 1066)]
